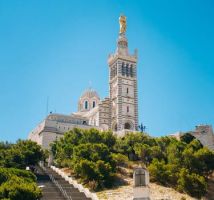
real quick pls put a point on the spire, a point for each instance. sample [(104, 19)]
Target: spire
[(122, 43)]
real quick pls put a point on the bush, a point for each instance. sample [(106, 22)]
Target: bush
[(94, 155), (94, 162), (120, 159), (15, 183), (187, 138), (192, 183), (23, 153), (7, 173), (158, 172), (18, 189)]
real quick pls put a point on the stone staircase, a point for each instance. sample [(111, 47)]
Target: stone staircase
[(54, 187)]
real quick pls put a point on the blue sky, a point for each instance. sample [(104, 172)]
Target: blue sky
[(56, 48)]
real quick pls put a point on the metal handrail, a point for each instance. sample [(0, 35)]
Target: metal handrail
[(65, 194), (60, 187)]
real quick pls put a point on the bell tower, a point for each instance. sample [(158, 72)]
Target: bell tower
[(123, 85)]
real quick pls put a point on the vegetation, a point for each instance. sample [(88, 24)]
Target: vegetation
[(89, 154), (18, 185), (15, 182), (96, 156), (23, 153)]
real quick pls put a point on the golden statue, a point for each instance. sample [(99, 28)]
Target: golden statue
[(122, 21)]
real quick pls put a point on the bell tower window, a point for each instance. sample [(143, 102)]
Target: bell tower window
[(123, 69), (127, 70), (131, 71), (94, 104)]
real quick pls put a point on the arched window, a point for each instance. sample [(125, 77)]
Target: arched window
[(127, 126), (127, 69), (127, 90), (123, 69), (86, 105), (131, 71), (94, 104), (127, 109)]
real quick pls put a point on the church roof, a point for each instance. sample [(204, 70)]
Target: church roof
[(90, 93)]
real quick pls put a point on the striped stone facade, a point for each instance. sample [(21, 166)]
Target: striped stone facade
[(123, 88)]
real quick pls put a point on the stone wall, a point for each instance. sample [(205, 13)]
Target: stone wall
[(204, 133)]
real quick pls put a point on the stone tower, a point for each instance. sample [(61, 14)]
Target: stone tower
[(123, 85)]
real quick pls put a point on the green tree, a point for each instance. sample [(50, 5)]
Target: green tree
[(187, 138), (143, 151), (205, 160), (120, 159), (7, 173), (192, 183), (21, 154), (19, 189), (174, 152), (158, 172), (31, 151), (127, 144), (94, 162)]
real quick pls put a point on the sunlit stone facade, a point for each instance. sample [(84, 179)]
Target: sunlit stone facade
[(117, 112)]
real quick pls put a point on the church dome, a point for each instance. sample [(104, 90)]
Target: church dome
[(89, 100), (90, 93)]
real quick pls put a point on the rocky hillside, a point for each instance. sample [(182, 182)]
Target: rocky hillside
[(157, 192)]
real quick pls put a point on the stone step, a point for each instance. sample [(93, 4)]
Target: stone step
[(51, 192)]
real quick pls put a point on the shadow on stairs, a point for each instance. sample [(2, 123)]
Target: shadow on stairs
[(54, 187)]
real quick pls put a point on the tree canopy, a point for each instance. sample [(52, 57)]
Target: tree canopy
[(16, 183), (95, 156)]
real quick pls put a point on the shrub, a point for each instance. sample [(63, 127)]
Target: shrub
[(86, 169), (187, 138), (158, 172), (94, 162), (7, 173), (94, 155), (192, 183), (18, 189), (23, 153), (120, 159)]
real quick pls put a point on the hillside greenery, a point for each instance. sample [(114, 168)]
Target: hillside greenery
[(96, 156), (16, 183)]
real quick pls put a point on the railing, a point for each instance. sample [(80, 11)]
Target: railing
[(59, 187), (64, 193)]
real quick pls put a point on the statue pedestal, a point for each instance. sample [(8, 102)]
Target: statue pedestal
[(141, 193)]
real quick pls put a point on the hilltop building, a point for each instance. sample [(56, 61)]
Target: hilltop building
[(204, 133), (117, 112)]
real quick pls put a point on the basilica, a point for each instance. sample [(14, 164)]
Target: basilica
[(117, 112)]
